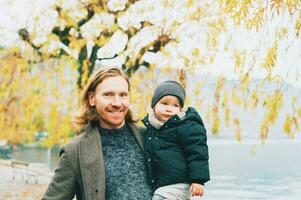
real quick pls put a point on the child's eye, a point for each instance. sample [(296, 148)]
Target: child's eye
[(164, 103), (176, 105)]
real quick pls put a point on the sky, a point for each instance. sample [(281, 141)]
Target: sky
[(21, 13)]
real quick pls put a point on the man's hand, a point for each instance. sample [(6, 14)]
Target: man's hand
[(196, 189)]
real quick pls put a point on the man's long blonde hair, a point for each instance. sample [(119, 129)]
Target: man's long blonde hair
[(87, 113)]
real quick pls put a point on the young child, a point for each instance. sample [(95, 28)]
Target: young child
[(176, 145)]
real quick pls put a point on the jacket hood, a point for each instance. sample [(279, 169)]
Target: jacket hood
[(193, 115)]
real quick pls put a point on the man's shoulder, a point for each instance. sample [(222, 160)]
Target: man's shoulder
[(74, 142)]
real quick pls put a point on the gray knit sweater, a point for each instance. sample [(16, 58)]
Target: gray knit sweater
[(126, 177)]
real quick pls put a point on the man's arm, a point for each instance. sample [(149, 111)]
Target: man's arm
[(63, 184)]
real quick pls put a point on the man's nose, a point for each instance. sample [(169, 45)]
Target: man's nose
[(116, 101)]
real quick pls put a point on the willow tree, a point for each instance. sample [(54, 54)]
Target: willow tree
[(81, 28), (182, 37), (276, 24), (35, 98)]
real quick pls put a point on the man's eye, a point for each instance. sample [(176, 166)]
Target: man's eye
[(124, 95), (107, 94)]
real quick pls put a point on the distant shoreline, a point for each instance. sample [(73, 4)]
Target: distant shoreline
[(251, 141)]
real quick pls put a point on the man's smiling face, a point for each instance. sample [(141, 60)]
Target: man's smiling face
[(111, 100)]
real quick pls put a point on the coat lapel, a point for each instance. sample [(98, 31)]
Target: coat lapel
[(137, 134), (92, 164)]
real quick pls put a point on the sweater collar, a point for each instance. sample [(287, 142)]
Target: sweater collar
[(123, 129)]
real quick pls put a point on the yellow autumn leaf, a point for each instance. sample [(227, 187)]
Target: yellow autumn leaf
[(227, 116), (276, 5), (238, 134), (292, 5), (216, 120), (295, 122), (283, 32), (298, 25), (264, 130), (225, 100), (271, 57), (244, 82), (236, 121), (254, 99), (273, 103), (85, 73), (196, 52), (215, 125), (235, 99), (257, 20), (220, 83), (287, 126), (102, 40), (189, 3), (77, 44)]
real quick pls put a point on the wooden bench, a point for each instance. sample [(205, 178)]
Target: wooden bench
[(20, 168), (29, 171)]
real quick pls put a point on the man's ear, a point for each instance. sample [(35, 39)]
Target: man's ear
[(91, 98)]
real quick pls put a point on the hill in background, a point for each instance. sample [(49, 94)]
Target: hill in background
[(250, 119)]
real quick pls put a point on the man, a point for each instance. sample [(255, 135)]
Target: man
[(106, 162)]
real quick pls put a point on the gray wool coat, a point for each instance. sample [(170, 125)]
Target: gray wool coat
[(81, 167)]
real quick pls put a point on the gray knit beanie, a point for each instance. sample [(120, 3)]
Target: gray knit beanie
[(169, 88)]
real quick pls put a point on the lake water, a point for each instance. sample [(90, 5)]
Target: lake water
[(254, 171), (37, 155), (247, 170)]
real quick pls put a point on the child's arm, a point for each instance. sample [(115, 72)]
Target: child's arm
[(193, 141), (196, 189)]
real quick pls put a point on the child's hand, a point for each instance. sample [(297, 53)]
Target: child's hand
[(196, 189)]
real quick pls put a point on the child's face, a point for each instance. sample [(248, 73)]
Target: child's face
[(166, 107)]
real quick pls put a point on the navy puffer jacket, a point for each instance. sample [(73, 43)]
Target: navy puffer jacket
[(178, 151)]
